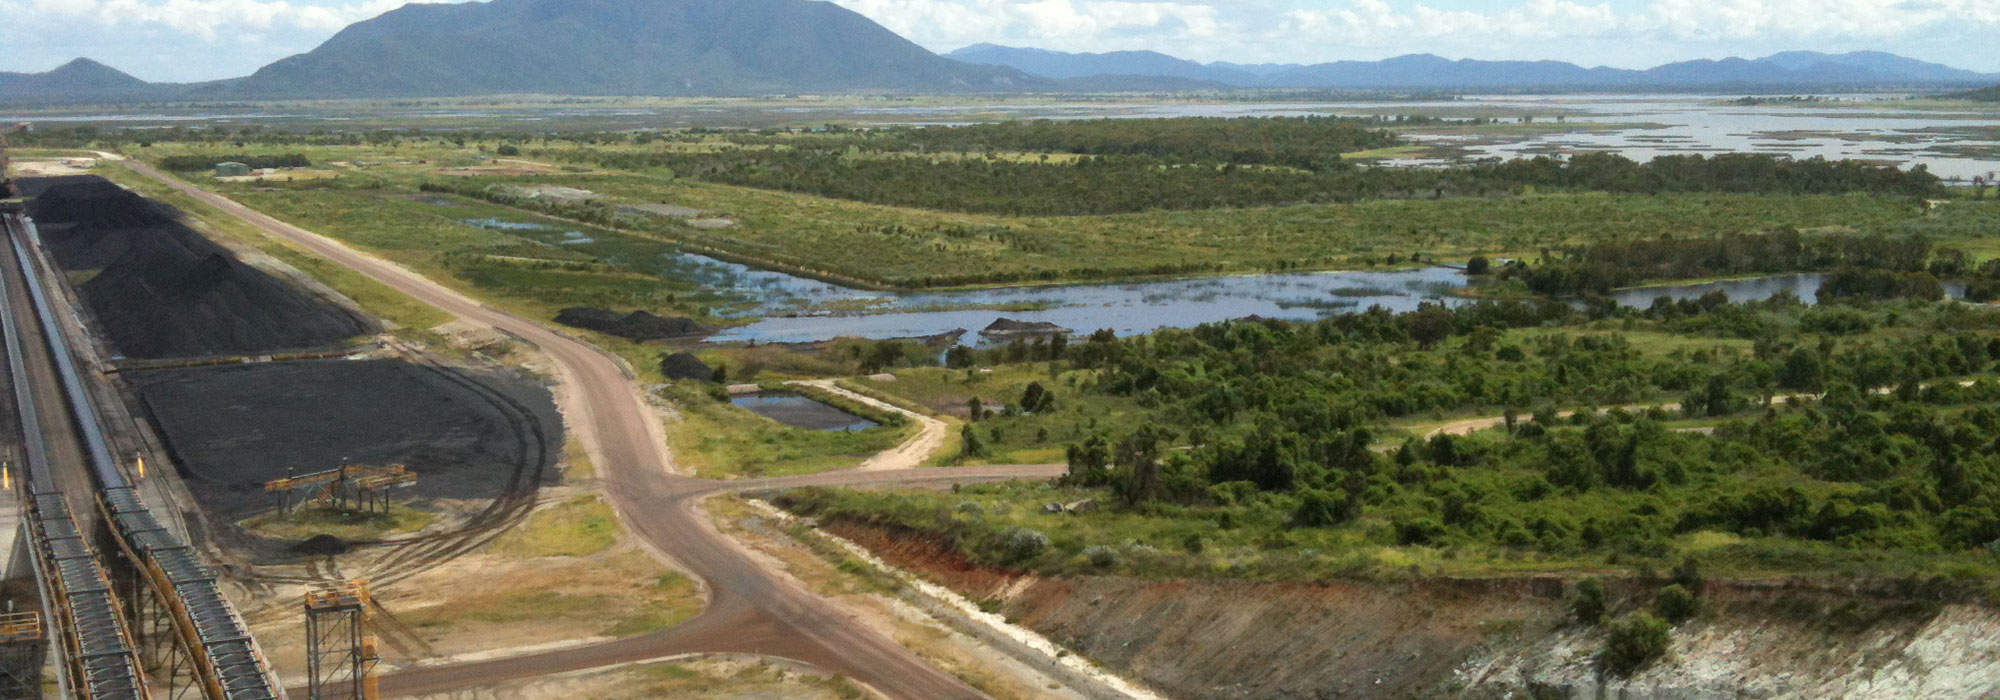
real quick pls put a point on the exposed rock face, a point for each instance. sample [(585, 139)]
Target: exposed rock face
[(638, 325), (1475, 639), (684, 366)]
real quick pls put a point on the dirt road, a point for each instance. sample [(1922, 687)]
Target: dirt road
[(909, 455), (751, 610)]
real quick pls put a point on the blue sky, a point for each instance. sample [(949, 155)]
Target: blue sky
[(183, 40)]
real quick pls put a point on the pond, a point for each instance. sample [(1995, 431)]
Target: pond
[(1127, 309), (802, 412), (800, 310), (1133, 309), (1804, 285)]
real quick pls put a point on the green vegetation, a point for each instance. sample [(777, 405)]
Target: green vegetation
[(1308, 143), (1677, 604), (195, 163), (1874, 266), (1635, 642), (579, 527), (1587, 604), (1266, 441), (917, 248), (715, 439), (376, 200), (1186, 163), (1991, 94)]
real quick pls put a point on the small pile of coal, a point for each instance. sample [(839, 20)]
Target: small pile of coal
[(321, 546), (686, 367), (638, 325)]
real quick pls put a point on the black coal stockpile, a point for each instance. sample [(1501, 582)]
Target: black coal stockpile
[(638, 325), (159, 289), (683, 366)]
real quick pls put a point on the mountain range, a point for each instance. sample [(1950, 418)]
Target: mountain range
[(761, 47), (1791, 69)]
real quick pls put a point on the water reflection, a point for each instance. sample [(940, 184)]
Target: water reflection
[(1127, 309), (1132, 309), (802, 412)]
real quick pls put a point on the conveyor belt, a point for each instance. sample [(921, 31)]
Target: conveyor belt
[(226, 657), (100, 661)]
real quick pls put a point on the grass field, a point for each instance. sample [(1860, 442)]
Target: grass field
[(1245, 542), (714, 439), (918, 248), (374, 204)]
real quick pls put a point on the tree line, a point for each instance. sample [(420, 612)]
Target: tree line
[(1119, 183), (1873, 266)]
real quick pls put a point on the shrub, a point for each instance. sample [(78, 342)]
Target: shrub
[(1634, 642), (1587, 604), (1021, 544), (1677, 604), (1101, 556), (1192, 543), (1318, 508), (1419, 531), (1687, 575)]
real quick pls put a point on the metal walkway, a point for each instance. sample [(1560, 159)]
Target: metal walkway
[(227, 663)]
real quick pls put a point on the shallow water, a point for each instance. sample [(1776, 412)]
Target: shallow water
[(796, 309), (1132, 309), (1804, 285), (1127, 309), (802, 412), (1868, 127)]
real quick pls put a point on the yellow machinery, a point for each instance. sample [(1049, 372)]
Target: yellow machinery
[(340, 656), (353, 487)]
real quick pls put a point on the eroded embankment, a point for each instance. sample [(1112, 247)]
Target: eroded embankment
[(1476, 638), (158, 289)]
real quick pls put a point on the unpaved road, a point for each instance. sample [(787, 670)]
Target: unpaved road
[(751, 610), (909, 455)]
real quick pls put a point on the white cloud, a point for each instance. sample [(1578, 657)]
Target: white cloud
[(1078, 25), (1375, 21), (206, 19), (134, 33)]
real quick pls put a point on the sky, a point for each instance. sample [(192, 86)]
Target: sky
[(190, 40)]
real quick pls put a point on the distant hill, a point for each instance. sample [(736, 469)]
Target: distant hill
[(1791, 69), (616, 47), (1056, 64), (77, 81), (758, 47)]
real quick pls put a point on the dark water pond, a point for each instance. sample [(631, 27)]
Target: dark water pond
[(801, 412)]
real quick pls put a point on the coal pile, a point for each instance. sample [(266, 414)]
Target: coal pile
[(467, 434), (685, 366), (638, 325), (158, 289), (1011, 327)]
